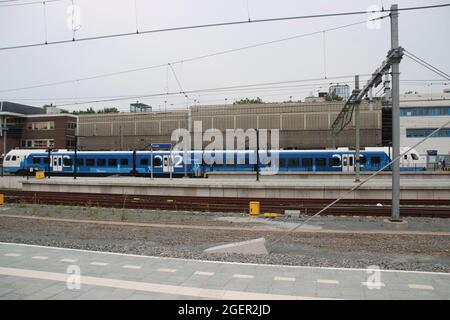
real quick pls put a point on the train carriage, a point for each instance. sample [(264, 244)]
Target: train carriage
[(162, 163)]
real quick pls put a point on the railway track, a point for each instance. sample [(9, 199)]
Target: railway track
[(360, 207)]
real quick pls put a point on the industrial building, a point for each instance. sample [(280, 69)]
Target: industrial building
[(301, 125), (25, 126), (420, 115)]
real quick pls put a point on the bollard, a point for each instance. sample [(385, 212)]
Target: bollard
[(254, 208), (40, 175), (2, 199)]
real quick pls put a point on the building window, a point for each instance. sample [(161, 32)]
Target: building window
[(421, 133), (71, 125), (424, 111), (41, 125)]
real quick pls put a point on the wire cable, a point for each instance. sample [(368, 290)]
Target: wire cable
[(355, 187), (209, 55), (426, 66), (431, 66), (218, 24)]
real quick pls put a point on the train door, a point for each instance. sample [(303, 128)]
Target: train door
[(348, 163), (57, 164), (167, 164)]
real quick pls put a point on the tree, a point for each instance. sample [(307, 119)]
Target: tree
[(89, 110), (249, 101), (109, 110), (333, 97)]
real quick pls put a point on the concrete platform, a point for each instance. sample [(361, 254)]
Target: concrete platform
[(41, 273), (329, 175), (276, 188)]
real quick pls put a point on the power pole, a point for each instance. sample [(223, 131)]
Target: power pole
[(357, 132), (395, 213)]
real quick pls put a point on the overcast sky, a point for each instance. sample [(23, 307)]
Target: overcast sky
[(353, 50)]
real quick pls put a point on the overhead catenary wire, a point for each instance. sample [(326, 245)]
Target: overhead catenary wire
[(196, 58), (218, 24), (426, 64), (356, 187), (25, 3), (208, 89)]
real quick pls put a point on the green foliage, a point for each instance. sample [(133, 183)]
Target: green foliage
[(109, 110), (258, 100), (90, 110), (333, 97)]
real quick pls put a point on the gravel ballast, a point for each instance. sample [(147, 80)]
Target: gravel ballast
[(349, 250)]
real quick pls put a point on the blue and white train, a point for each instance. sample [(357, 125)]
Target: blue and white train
[(62, 162)]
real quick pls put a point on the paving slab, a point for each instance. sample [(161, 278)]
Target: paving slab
[(30, 278)]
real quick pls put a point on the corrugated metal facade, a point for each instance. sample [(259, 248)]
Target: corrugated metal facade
[(301, 125)]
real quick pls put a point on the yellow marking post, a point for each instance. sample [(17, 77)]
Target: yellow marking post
[(2, 199), (254, 208), (40, 175)]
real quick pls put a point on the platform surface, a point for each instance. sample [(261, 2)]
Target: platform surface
[(35, 272)]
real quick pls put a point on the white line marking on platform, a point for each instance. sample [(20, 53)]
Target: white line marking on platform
[(284, 279), (326, 281), (373, 284), (12, 255), (99, 263), (153, 287), (204, 273), (130, 266), (243, 276), (68, 260), (420, 286), (39, 258), (219, 262), (166, 270)]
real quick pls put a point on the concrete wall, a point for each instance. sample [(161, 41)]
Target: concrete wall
[(301, 125)]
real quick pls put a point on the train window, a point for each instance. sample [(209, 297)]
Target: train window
[(112, 162), (45, 160), (7, 158), (101, 162), (14, 158), (307, 162), (282, 162), (67, 162), (90, 162), (156, 162), (36, 160), (123, 162), (144, 162), (293, 162), (321, 162), (334, 162), (376, 160), (405, 157), (362, 160), (414, 156), (80, 162)]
